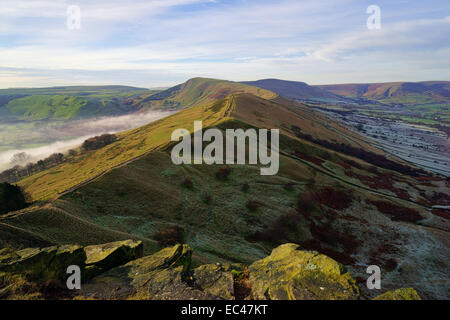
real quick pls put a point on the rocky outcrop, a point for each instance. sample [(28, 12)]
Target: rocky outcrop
[(399, 294), (133, 279), (119, 272), (207, 282), (100, 258), (292, 274), (46, 263)]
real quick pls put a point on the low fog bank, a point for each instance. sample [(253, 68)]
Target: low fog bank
[(72, 134)]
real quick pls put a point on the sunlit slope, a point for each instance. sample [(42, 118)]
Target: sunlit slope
[(202, 91), (250, 109), (322, 199), (285, 114), (59, 223), (66, 103), (131, 144), (256, 111), (148, 195)]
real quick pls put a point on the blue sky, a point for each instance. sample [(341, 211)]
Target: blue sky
[(156, 43)]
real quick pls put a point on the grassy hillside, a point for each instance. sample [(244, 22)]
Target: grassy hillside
[(150, 196), (65, 103), (131, 144), (202, 91), (324, 198), (256, 111), (285, 114)]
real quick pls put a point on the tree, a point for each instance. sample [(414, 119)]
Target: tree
[(30, 168), (12, 198), (98, 141), (20, 157), (41, 164), (54, 159)]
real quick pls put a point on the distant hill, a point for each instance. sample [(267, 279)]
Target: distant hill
[(295, 90), (73, 102), (83, 90), (69, 102), (395, 92), (198, 91)]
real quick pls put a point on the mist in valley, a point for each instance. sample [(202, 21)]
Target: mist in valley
[(51, 137)]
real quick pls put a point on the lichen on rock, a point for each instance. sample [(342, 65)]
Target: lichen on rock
[(100, 258), (207, 282), (119, 272), (399, 294), (46, 263), (131, 280), (292, 274)]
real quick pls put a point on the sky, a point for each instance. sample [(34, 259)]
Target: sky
[(160, 43)]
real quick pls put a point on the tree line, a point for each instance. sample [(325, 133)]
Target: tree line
[(19, 172)]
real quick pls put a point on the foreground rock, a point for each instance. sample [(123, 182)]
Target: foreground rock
[(101, 258), (35, 273), (133, 280), (399, 294), (288, 273), (207, 282), (291, 274), (46, 263)]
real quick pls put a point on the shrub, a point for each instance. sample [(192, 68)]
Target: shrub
[(223, 173), (41, 164), (242, 288), (98, 142), (187, 183), (398, 213), (206, 198), (169, 236), (441, 213), (440, 198), (121, 191), (336, 199), (289, 186), (12, 198), (306, 202), (54, 159), (252, 205), (282, 230), (245, 187)]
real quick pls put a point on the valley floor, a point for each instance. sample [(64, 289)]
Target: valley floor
[(422, 146)]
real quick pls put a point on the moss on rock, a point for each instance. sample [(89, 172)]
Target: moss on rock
[(46, 263), (207, 282), (132, 280), (399, 294), (291, 274), (100, 258), (288, 273)]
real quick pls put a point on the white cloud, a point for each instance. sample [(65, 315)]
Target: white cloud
[(245, 39)]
